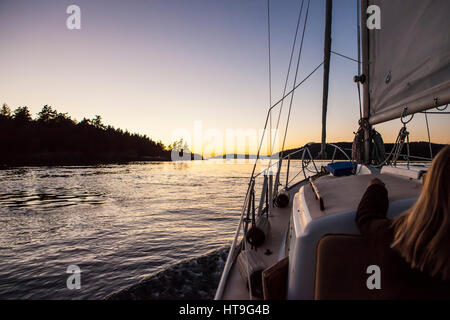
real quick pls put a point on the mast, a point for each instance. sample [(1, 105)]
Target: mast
[(326, 75), (365, 69)]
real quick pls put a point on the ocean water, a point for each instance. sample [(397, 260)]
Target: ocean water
[(122, 225)]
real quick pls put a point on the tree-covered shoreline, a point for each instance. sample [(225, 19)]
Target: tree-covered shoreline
[(54, 138)]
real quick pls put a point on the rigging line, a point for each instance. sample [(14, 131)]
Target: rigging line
[(276, 104), (296, 73), (270, 138), (347, 57), (270, 58), (288, 72), (359, 99), (358, 27), (358, 32), (442, 108), (270, 75), (434, 112), (429, 137)]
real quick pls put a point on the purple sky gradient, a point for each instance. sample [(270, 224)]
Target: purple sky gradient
[(157, 66)]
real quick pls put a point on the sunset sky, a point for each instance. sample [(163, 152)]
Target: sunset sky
[(161, 67)]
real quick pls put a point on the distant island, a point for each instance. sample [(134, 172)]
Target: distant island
[(54, 138), (417, 149)]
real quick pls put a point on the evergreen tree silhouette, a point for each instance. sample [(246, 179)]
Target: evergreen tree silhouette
[(56, 138)]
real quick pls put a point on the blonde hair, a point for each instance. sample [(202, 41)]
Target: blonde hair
[(422, 233)]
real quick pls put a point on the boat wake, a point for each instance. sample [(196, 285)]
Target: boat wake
[(195, 278)]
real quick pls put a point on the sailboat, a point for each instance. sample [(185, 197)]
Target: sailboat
[(298, 240)]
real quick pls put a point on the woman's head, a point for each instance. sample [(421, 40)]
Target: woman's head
[(422, 234)]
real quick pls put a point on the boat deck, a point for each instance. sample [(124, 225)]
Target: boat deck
[(279, 222), (340, 194), (343, 194)]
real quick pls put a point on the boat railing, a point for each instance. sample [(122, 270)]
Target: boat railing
[(307, 160), (268, 192), (403, 156)]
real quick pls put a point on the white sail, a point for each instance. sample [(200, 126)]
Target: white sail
[(409, 57)]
